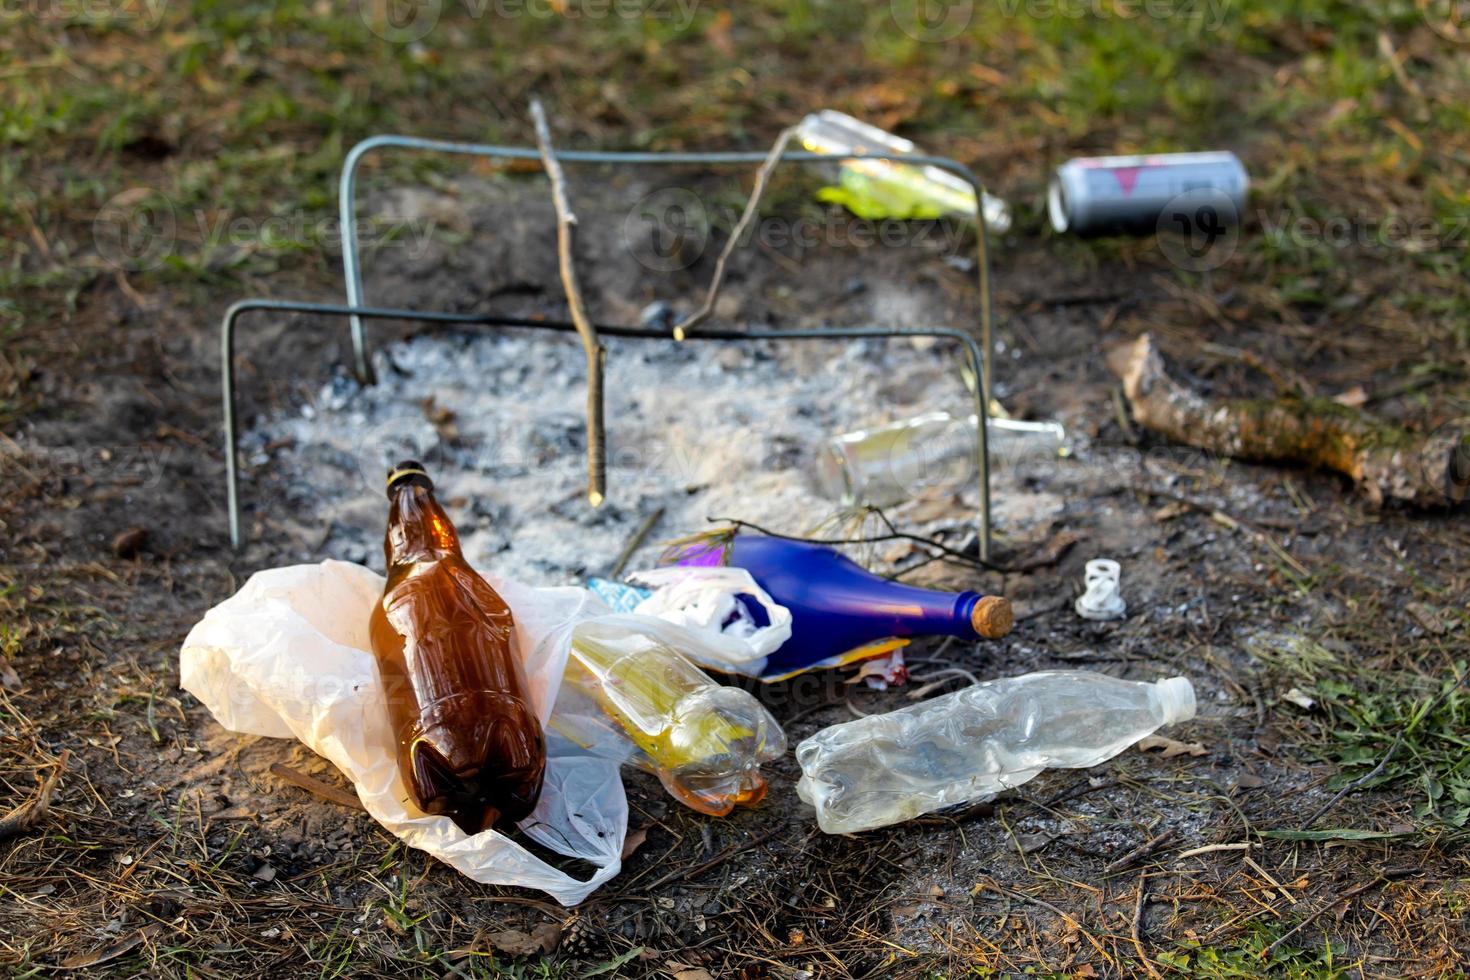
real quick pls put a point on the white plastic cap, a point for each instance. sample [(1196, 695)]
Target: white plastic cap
[(1176, 695)]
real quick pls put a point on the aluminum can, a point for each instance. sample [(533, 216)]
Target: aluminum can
[(1147, 193)]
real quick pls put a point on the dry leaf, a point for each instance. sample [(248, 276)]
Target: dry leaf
[(1300, 698), (1248, 780), (8, 677), (515, 942), (1354, 397), (682, 971), (633, 841), (126, 945), (130, 543), (548, 934), (1170, 746), (1427, 617)]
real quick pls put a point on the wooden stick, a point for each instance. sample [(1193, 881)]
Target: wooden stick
[(1212, 848), (1138, 853), (566, 223), (752, 207), (313, 785), (1384, 460), (634, 542), (1137, 928)]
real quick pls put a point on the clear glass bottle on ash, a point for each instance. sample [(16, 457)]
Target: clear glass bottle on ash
[(889, 464)]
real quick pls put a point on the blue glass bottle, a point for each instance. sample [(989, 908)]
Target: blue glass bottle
[(839, 611)]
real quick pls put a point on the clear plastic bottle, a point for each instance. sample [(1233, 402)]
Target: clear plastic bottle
[(703, 740), (895, 188), (972, 744), (889, 464)]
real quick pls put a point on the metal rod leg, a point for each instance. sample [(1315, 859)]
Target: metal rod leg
[(232, 432), (347, 204)]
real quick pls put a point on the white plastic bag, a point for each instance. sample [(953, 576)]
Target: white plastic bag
[(289, 656), (703, 601)]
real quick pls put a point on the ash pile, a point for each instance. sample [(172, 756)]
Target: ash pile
[(697, 430)]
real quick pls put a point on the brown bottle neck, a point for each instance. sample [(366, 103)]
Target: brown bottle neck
[(418, 528)]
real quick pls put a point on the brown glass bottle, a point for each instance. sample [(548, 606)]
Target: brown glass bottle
[(469, 744)]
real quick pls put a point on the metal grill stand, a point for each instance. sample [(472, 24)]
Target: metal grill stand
[(979, 355)]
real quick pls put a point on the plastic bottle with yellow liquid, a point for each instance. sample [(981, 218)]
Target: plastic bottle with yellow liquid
[(704, 741)]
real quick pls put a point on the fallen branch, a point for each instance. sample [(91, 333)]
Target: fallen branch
[(566, 222), (752, 207), (25, 817), (1385, 461)]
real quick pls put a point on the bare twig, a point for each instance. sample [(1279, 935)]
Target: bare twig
[(26, 816), (1212, 848), (945, 550), (725, 855), (1137, 928), (1268, 876), (1140, 852), (1081, 789), (752, 207), (566, 222), (637, 539), (313, 785)]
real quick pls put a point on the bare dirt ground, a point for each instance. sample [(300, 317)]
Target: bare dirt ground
[(172, 847)]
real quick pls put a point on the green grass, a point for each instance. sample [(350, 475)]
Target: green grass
[(254, 106), (1433, 758), (1247, 958)]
